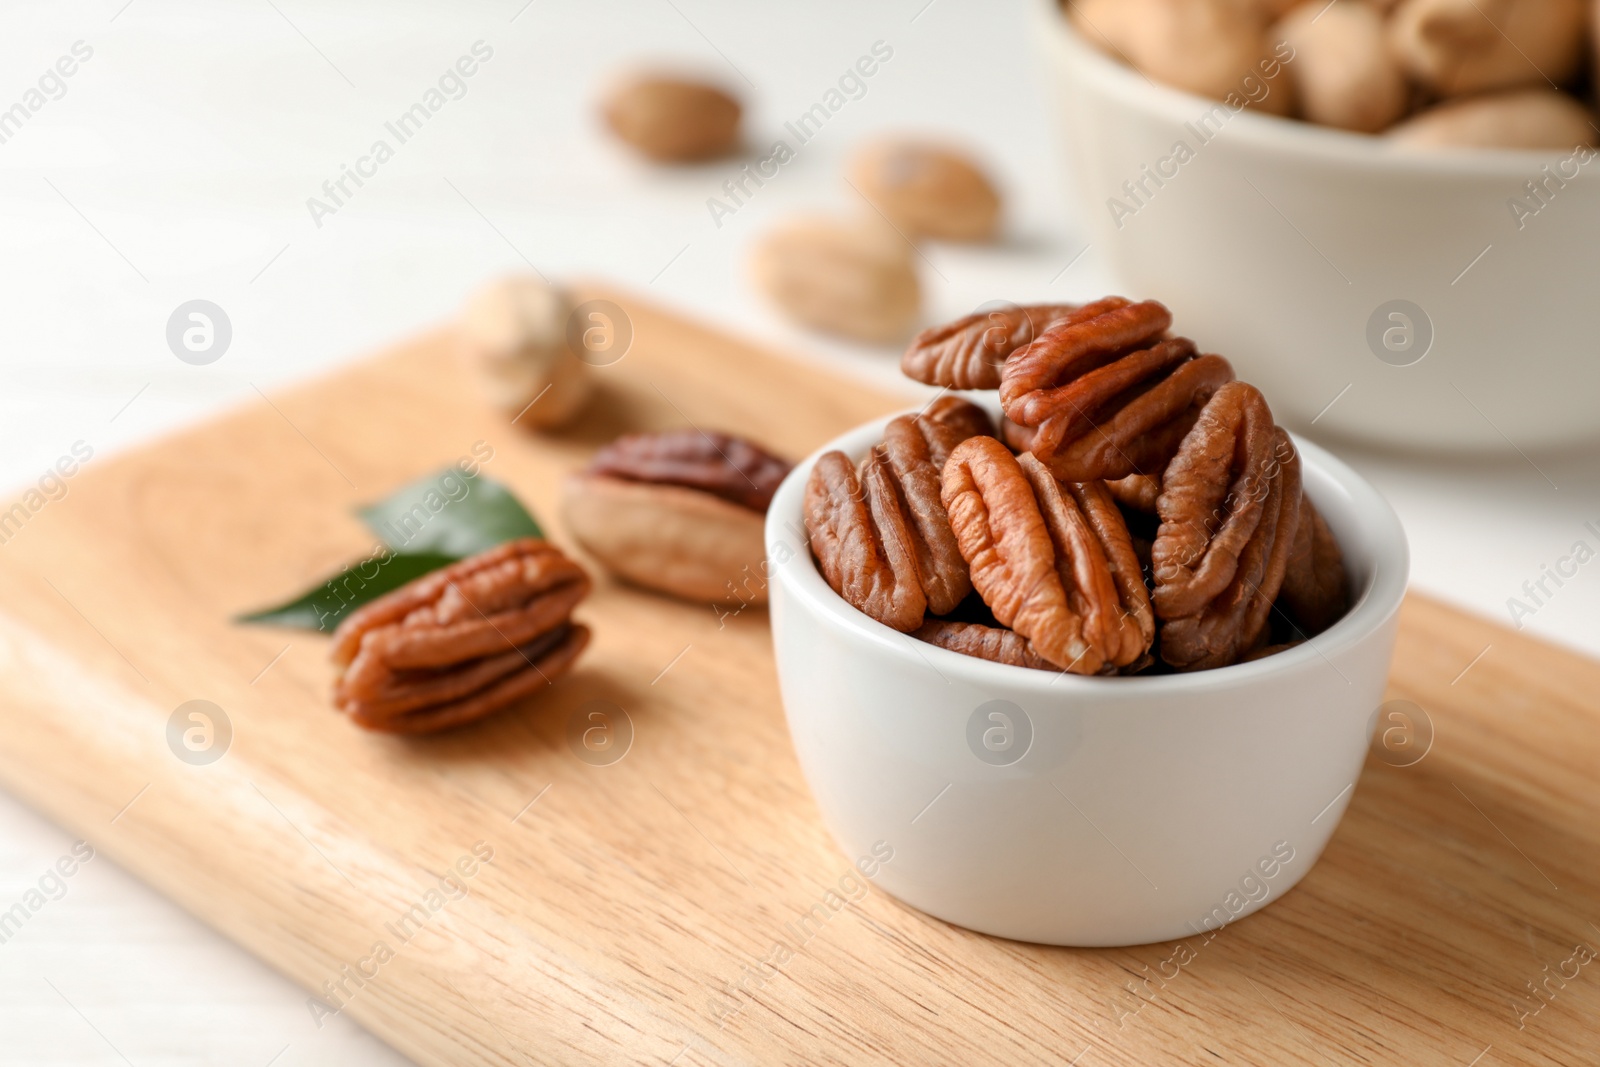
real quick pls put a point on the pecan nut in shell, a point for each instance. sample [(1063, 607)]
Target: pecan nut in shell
[(683, 542), (462, 642), (718, 463)]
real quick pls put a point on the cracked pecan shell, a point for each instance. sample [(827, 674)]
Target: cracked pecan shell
[(880, 532), (1234, 622), (462, 642), (1212, 496), (969, 352), (1106, 393), (721, 464)]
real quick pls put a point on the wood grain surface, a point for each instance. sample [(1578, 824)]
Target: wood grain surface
[(627, 908)]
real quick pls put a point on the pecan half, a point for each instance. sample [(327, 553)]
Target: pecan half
[(1095, 558), (1234, 622), (948, 421), (862, 541), (993, 643), (1006, 544), (1018, 438), (908, 446), (462, 642), (1316, 589), (1053, 562), (903, 515), (1102, 387), (1212, 495), (969, 352), (1138, 492), (717, 463)]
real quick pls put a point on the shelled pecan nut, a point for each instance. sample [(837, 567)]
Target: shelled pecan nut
[(1040, 564), (948, 421), (1233, 623), (993, 643), (1137, 492), (969, 352), (726, 466), (1102, 388), (894, 514), (1315, 586), (1099, 570), (862, 541), (1212, 497), (461, 642), (1005, 542)]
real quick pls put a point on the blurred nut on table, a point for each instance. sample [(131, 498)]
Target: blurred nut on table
[(681, 512), (514, 331), (927, 189), (672, 119), (852, 277), (1464, 71)]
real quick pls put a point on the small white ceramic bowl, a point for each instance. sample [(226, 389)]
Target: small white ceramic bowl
[(1287, 246), (1092, 811)]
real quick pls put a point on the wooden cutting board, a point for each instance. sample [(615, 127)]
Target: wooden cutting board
[(623, 902)]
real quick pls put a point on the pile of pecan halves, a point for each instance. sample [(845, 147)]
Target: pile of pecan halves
[(1138, 509)]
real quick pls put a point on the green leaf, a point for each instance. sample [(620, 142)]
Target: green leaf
[(325, 604), (450, 513), (431, 523)]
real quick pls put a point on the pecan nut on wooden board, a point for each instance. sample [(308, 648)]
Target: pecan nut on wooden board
[(462, 642), (680, 512)]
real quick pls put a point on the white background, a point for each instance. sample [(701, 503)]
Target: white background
[(178, 163)]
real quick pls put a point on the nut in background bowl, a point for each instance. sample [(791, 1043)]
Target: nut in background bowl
[(1291, 247), (1083, 811)]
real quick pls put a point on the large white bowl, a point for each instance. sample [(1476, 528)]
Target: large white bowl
[(1102, 811), (1279, 242)]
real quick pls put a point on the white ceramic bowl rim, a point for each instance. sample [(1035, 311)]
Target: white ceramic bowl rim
[(1387, 568), (1275, 133)]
